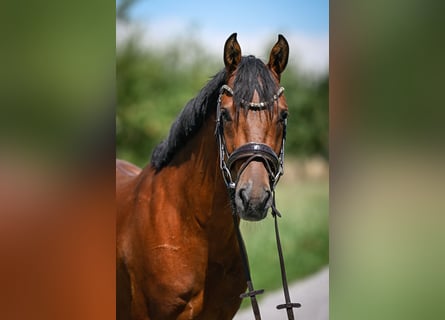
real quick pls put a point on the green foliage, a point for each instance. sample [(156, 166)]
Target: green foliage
[(308, 126), (154, 84), (152, 88)]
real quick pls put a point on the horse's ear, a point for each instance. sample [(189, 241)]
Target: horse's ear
[(279, 55), (232, 53)]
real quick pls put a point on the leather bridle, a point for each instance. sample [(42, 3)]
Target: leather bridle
[(253, 151), (250, 151)]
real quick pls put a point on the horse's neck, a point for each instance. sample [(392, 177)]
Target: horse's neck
[(194, 189), (210, 204), (201, 180)]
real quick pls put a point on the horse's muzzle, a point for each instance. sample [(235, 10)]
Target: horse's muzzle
[(253, 202)]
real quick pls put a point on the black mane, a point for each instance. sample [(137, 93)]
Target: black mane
[(252, 74), (188, 122)]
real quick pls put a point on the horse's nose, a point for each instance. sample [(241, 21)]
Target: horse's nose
[(259, 201), (253, 204)]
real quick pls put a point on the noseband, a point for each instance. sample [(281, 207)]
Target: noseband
[(250, 151), (254, 151)]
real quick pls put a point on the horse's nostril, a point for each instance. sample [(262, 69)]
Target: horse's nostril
[(267, 196), (243, 197)]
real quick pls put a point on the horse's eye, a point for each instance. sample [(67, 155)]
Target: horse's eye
[(225, 115), (283, 115)]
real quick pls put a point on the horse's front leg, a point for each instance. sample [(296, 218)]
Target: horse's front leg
[(175, 301)]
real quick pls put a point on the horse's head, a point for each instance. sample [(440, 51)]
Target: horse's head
[(251, 123)]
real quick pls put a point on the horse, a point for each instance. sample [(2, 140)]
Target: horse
[(177, 253)]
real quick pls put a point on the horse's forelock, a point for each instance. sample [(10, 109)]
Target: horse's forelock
[(253, 75)]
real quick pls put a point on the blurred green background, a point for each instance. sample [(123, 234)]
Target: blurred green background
[(153, 85)]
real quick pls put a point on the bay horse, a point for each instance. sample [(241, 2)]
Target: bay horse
[(177, 251)]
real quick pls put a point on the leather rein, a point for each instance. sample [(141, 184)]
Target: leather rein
[(273, 163)]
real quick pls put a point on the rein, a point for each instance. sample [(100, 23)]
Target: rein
[(274, 166)]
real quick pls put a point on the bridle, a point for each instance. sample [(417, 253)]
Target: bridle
[(253, 151), (250, 151)]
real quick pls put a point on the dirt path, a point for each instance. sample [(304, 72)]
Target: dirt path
[(312, 292)]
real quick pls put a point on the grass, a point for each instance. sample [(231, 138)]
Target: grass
[(304, 231)]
